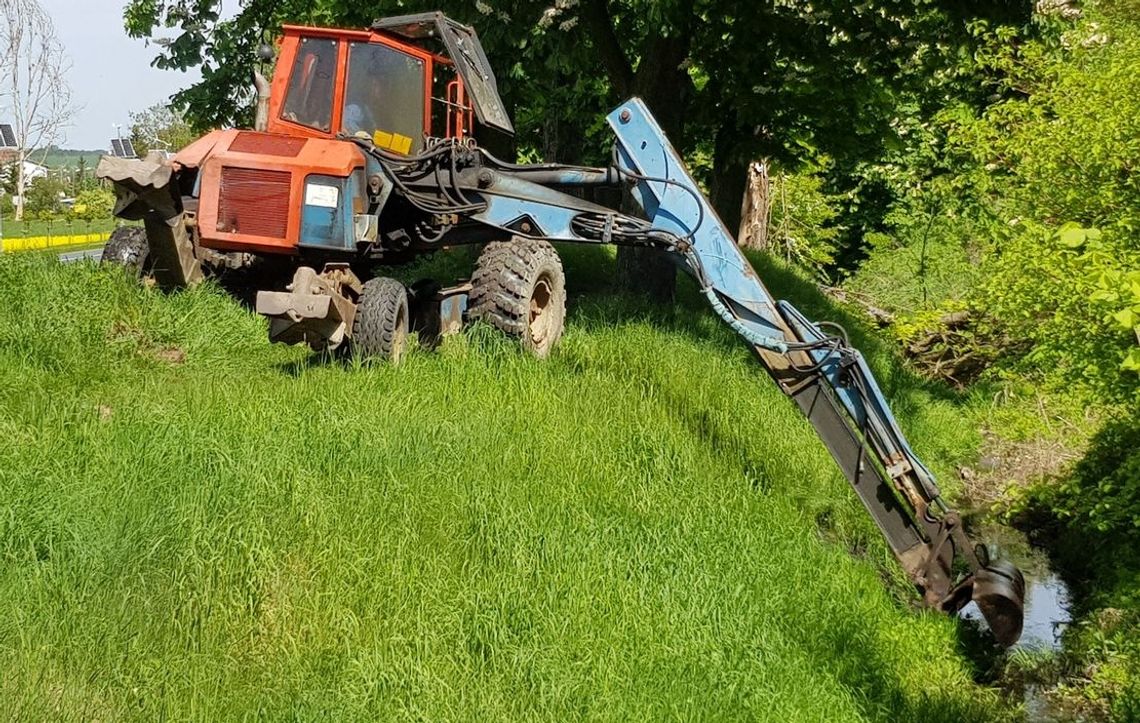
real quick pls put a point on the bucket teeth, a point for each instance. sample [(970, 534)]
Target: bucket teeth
[(999, 591)]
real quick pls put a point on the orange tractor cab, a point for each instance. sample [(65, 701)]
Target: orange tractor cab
[(381, 85), (363, 155)]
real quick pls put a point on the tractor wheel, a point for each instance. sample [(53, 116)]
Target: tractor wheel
[(380, 327), (127, 248), (519, 287)]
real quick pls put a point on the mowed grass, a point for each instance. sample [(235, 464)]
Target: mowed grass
[(197, 524)]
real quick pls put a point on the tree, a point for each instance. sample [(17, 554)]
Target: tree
[(159, 128), (43, 198), (32, 83), (733, 80)]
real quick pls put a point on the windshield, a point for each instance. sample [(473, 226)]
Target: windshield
[(309, 98), (384, 97)]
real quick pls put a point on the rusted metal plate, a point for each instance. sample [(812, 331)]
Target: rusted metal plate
[(291, 305)]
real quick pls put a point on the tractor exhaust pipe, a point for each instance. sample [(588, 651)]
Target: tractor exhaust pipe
[(261, 117), (261, 85)]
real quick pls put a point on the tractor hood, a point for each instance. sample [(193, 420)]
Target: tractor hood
[(255, 188)]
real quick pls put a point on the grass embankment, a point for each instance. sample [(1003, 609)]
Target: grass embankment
[(199, 524)]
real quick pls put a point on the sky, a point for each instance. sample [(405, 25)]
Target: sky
[(111, 74)]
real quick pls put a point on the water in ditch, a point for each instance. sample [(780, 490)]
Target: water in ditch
[(1047, 613)]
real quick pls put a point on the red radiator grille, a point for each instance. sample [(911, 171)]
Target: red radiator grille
[(287, 146), (254, 202)]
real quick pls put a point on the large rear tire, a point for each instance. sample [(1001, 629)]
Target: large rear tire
[(127, 249), (519, 287), (380, 327)]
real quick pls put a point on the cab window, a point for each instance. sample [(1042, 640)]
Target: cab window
[(384, 97), (309, 97)]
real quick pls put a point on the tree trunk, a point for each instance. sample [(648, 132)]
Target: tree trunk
[(662, 85), (647, 272), (20, 189), (756, 210), (662, 81)]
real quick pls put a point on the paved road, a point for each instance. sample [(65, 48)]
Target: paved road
[(93, 254)]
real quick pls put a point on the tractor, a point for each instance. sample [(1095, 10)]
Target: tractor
[(364, 154)]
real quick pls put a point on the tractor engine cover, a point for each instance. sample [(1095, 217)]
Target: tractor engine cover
[(269, 193)]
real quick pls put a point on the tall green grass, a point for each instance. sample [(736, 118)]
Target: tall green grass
[(197, 524)]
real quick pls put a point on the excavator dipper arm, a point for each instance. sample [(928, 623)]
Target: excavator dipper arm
[(829, 381), (459, 191)]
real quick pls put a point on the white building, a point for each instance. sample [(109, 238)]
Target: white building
[(31, 171)]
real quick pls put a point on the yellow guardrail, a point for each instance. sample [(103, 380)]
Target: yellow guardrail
[(29, 243)]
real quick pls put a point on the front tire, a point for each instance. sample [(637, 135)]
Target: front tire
[(519, 288), (380, 327)]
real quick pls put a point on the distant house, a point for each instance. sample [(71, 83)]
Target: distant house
[(31, 170), (34, 170)]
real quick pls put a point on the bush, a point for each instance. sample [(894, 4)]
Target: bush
[(1055, 164), (803, 220), (94, 204)]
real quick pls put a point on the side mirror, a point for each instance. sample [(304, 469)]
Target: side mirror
[(264, 52)]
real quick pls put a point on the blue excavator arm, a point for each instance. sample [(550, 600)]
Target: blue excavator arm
[(828, 380), (812, 363)]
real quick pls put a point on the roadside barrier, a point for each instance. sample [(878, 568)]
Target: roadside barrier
[(32, 243)]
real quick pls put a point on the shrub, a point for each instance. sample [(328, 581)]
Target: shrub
[(93, 204)]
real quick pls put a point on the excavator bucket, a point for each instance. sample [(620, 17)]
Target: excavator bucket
[(999, 591)]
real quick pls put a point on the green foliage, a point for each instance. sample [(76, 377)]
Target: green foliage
[(1047, 287), (8, 178), (802, 225), (1120, 289), (42, 200), (1028, 211), (928, 257), (93, 204), (160, 128), (1053, 162), (201, 521), (1093, 524), (1103, 493), (791, 81)]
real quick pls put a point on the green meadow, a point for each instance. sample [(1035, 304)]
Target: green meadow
[(197, 524)]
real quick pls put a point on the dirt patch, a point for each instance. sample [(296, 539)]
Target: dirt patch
[(124, 332), (171, 355), (1004, 464)]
